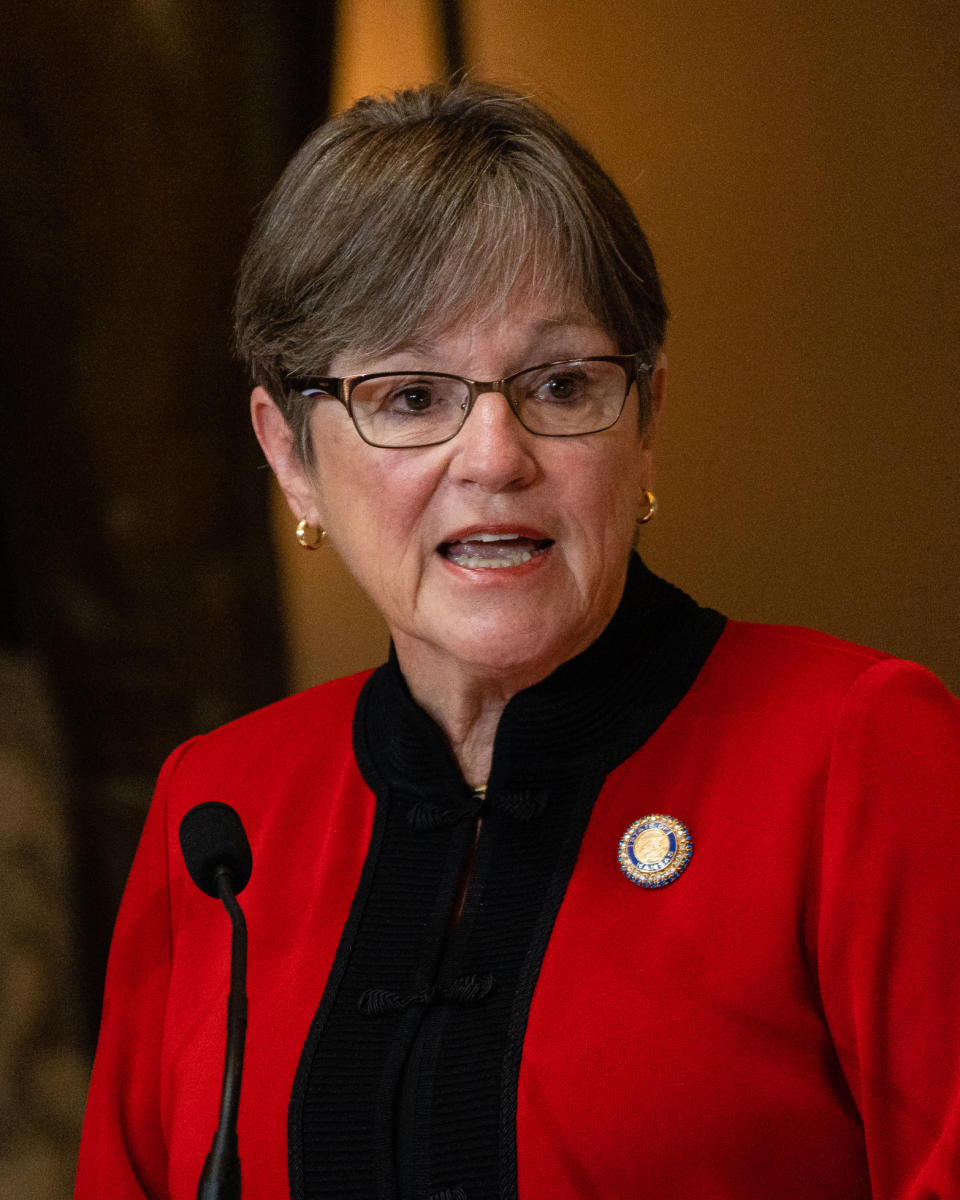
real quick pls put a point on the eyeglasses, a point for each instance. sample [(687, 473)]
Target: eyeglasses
[(411, 409)]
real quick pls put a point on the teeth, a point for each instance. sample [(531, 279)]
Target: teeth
[(477, 560), (483, 550)]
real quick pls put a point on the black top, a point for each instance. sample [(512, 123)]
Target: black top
[(407, 1084)]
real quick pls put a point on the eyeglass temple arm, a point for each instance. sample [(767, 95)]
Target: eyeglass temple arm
[(316, 383)]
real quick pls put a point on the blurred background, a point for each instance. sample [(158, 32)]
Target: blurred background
[(795, 169)]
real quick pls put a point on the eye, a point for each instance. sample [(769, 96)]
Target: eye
[(405, 397), (397, 396), (416, 398), (564, 386)]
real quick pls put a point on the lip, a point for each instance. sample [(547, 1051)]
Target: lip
[(500, 575), (497, 530)]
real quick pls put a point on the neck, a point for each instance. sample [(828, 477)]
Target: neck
[(466, 699), (466, 705), (427, 736)]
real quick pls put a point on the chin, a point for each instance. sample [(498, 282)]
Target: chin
[(528, 649)]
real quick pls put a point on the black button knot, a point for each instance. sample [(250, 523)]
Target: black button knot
[(467, 990), (522, 805)]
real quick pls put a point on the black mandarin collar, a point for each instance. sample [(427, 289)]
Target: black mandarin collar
[(600, 705)]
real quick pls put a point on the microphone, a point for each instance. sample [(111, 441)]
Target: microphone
[(217, 856), (212, 836)]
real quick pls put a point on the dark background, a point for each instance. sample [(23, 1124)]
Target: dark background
[(137, 142)]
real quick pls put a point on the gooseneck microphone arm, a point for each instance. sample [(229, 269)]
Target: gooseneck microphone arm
[(217, 855), (221, 1170)]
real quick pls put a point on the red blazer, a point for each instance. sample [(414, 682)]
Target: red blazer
[(782, 1020)]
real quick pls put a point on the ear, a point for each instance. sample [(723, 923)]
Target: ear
[(658, 384), (658, 393), (276, 440)]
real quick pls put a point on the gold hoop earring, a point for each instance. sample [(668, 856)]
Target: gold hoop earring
[(310, 537), (651, 503)]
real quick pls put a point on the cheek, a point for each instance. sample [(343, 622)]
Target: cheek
[(376, 506), (609, 493)]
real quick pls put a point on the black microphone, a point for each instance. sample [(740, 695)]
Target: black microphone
[(217, 856), (212, 836)]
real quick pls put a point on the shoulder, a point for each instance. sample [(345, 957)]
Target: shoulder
[(333, 701), (796, 688), (791, 649), (271, 750), (812, 667)]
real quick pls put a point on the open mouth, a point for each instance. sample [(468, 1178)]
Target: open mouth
[(482, 550)]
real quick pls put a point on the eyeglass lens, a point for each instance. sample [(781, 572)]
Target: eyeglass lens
[(562, 399)]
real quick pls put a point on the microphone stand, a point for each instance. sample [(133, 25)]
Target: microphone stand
[(220, 1179)]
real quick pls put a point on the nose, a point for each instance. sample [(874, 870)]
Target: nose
[(493, 450)]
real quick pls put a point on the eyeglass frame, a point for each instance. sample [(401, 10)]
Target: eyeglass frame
[(329, 387)]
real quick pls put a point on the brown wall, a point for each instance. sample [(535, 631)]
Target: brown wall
[(796, 172)]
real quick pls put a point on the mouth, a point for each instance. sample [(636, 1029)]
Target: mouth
[(483, 551)]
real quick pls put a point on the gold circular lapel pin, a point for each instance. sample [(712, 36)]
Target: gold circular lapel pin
[(655, 850)]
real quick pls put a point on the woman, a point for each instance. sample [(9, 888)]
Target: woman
[(586, 892)]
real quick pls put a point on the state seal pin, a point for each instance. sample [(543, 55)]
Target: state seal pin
[(655, 850)]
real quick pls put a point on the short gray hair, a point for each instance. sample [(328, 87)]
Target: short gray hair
[(407, 214)]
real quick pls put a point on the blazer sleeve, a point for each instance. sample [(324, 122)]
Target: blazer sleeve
[(888, 929), (123, 1149)]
